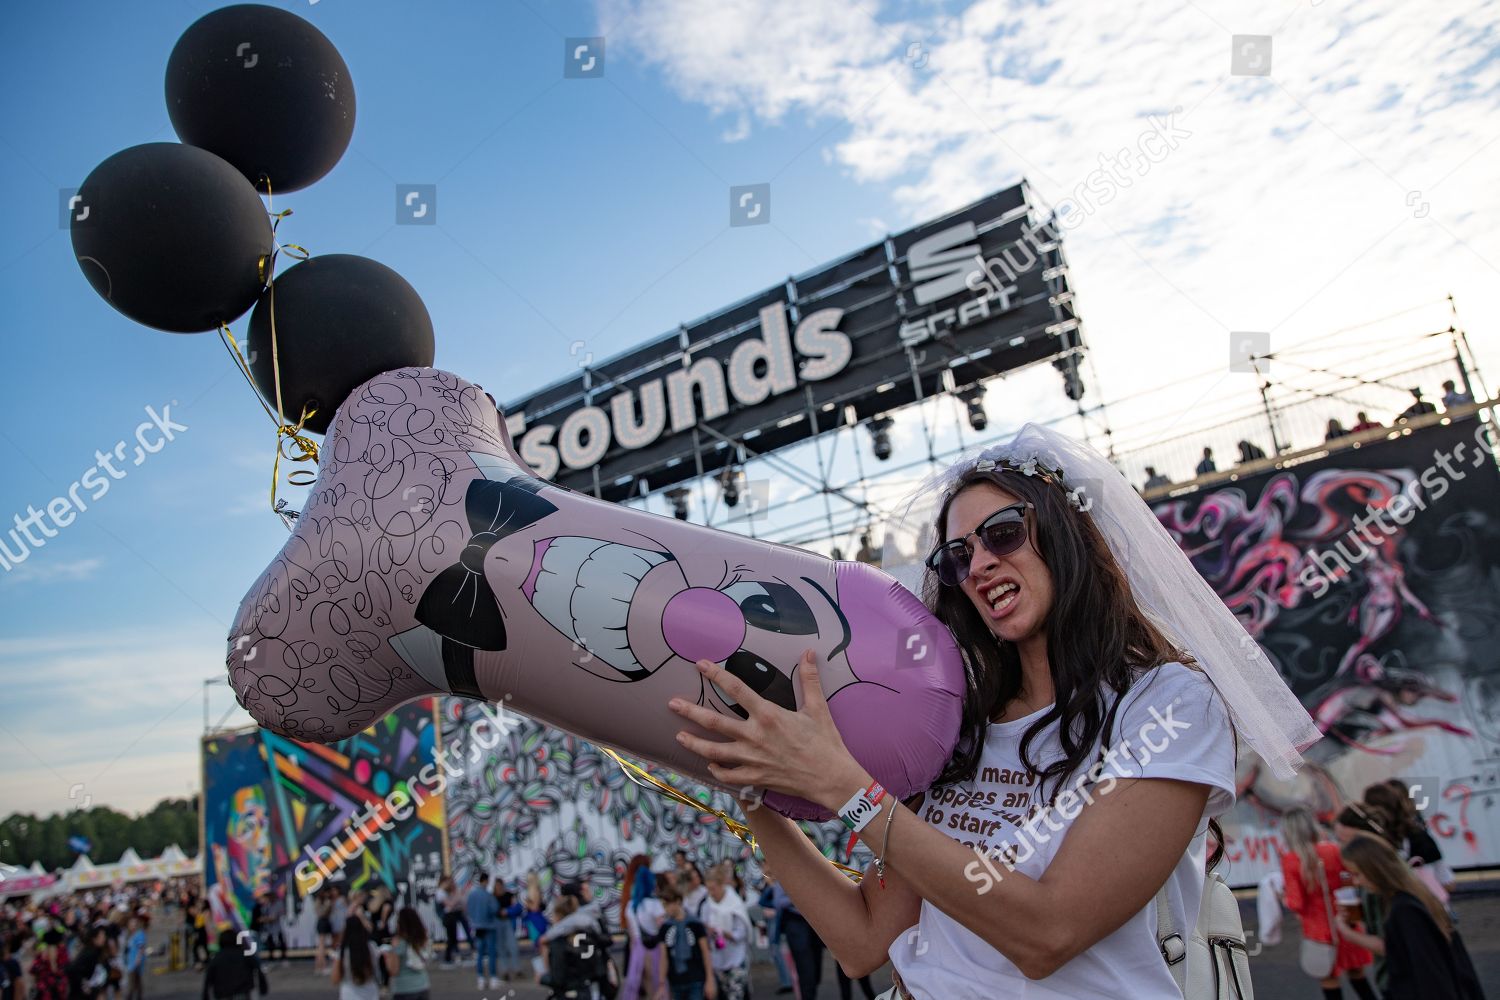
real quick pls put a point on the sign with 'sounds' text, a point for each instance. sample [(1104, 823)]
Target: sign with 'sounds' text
[(978, 292)]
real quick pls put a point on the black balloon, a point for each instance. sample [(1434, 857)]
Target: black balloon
[(172, 236), (265, 90), (340, 321)]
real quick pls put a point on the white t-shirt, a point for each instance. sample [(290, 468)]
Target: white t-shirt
[(1176, 727), (729, 918), (645, 918)]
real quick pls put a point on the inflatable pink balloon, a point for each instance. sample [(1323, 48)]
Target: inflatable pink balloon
[(429, 559)]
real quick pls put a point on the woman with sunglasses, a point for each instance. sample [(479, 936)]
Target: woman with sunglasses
[(1096, 746)]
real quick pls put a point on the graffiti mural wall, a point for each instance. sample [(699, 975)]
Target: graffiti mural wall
[(534, 799), (1372, 579), (274, 805), (240, 855)]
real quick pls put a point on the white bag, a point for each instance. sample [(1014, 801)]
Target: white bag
[(1213, 963)]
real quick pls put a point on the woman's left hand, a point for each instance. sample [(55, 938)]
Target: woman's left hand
[(796, 753)]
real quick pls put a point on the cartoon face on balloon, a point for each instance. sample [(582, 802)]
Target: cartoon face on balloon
[(621, 603), (430, 559)]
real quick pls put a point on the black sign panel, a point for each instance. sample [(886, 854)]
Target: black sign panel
[(978, 292)]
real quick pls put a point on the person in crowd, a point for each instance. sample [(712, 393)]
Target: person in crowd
[(641, 913), (680, 860), (484, 917), (1076, 622), (338, 916), (88, 971), (1362, 422), (354, 969), (450, 903), (1155, 480), (12, 978), (534, 913), (1391, 802), (802, 941), (1206, 464), (582, 925), (773, 931), (199, 917), (276, 924), (507, 947), (323, 912), (49, 976), (407, 957), (1336, 430), (1313, 875), (694, 892), (1355, 819), (728, 928), (1425, 958), (135, 959), (1452, 396), (1250, 452), (1419, 407), (685, 965), (570, 971), (233, 975)]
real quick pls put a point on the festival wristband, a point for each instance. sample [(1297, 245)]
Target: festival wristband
[(862, 807)]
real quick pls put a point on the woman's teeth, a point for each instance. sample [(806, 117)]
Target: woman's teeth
[(1002, 596)]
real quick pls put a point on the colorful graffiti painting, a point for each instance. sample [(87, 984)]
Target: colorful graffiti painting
[(272, 804), (1370, 579), (543, 801), (241, 856)]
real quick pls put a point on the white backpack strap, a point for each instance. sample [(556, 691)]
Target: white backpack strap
[(1170, 940)]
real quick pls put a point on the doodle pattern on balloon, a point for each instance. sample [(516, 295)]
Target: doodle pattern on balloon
[(429, 559)]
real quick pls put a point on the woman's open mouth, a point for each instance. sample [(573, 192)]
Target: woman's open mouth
[(1002, 598)]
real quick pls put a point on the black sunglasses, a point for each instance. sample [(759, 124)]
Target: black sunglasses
[(1001, 533)]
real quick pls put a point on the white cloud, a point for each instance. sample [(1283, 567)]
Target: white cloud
[(71, 570), (1295, 206)]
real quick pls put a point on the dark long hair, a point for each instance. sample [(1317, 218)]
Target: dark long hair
[(1098, 637), (357, 944), (410, 929)]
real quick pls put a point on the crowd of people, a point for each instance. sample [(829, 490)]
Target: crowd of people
[(1249, 451), (1372, 896), (78, 946)]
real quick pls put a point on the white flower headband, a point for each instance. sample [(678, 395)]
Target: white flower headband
[(1077, 498)]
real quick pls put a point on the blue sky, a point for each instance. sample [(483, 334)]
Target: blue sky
[(595, 211)]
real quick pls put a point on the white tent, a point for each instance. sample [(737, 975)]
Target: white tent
[(129, 858)]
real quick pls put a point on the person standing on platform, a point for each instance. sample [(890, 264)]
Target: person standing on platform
[(1207, 465)]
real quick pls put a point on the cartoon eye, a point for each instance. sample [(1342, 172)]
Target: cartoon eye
[(762, 678), (774, 607)]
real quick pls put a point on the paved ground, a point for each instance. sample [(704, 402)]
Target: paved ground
[(1274, 969)]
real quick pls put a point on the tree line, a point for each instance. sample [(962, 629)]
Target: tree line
[(25, 837)]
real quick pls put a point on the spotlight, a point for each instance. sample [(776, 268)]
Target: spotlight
[(1072, 381), (729, 482), (974, 399), (678, 498), (880, 436)]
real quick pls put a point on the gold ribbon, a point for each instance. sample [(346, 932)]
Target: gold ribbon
[(291, 442), (646, 779)]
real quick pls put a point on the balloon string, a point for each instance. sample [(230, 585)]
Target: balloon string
[(291, 441), (645, 778)]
